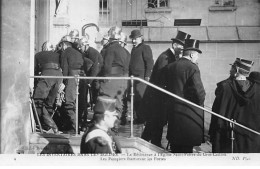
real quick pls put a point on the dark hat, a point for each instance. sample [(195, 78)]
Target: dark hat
[(254, 76), (104, 104), (180, 37), (192, 44), (135, 34), (243, 64)]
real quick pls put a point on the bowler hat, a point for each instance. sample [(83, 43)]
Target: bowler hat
[(192, 44), (180, 37), (243, 64), (135, 34), (104, 104)]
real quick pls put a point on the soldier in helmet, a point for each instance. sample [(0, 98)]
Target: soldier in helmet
[(73, 64), (95, 57), (104, 43), (98, 140), (74, 34), (123, 43), (47, 63), (114, 66)]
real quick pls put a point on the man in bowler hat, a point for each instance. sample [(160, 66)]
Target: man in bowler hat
[(237, 98), (152, 106), (98, 140), (141, 64), (185, 122)]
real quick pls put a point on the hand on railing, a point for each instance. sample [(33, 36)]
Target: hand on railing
[(147, 79)]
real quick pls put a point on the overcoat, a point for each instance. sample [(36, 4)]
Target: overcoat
[(185, 122), (153, 100), (232, 103), (141, 64)]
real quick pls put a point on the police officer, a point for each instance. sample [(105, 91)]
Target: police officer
[(114, 66), (185, 122), (141, 64), (47, 64), (72, 65), (98, 140), (152, 106)]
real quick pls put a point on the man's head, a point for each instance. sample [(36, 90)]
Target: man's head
[(74, 34), (83, 44), (136, 37), (178, 43), (47, 46), (65, 42), (123, 39), (241, 67), (191, 49), (105, 113), (114, 33), (105, 40)]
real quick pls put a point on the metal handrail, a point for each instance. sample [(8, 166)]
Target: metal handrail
[(132, 78)]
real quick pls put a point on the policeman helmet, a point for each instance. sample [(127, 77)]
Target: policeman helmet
[(74, 34), (66, 38), (114, 32), (84, 40), (123, 38), (47, 46)]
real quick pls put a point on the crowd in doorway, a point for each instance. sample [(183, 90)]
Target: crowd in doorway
[(176, 70)]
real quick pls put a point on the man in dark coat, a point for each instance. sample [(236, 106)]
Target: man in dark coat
[(141, 64), (98, 140), (185, 122), (73, 64), (94, 56), (237, 98), (125, 113), (114, 66), (152, 105), (47, 63)]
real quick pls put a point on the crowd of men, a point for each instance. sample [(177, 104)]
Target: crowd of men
[(175, 70)]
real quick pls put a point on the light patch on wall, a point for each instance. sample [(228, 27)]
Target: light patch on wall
[(13, 123)]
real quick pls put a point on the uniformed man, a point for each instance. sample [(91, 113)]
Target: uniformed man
[(47, 63), (95, 57), (185, 122), (141, 64), (237, 98), (114, 66), (98, 140), (104, 43), (152, 106), (73, 64), (125, 113), (74, 34)]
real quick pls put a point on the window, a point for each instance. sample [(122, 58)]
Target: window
[(157, 3), (225, 2), (103, 4)]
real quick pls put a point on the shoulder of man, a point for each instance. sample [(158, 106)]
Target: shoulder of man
[(100, 141)]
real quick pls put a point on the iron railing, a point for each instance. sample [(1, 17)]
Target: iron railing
[(132, 78)]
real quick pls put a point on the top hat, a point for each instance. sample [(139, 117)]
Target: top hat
[(254, 76), (180, 37), (192, 44), (104, 104), (135, 34), (243, 64)]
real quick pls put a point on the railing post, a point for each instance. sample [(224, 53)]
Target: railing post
[(232, 135), (77, 103), (132, 107)]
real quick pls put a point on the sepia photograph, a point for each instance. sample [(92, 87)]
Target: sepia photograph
[(130, 83)]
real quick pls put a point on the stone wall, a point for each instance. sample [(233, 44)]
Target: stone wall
[(15, 64)]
